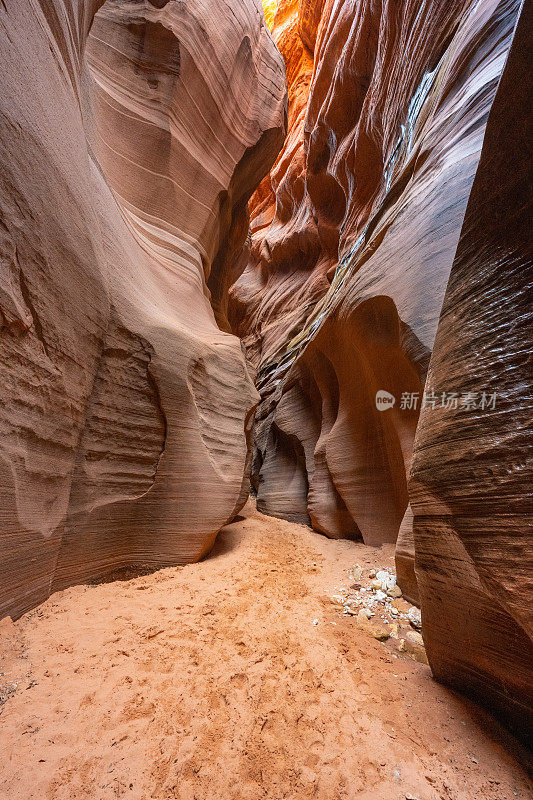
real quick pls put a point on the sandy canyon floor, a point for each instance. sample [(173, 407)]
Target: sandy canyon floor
[(235, 679)]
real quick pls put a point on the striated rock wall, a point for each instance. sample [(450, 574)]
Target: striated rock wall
[(364, 274), (283, 233), (126, 163), (352, 249), (471, 474)]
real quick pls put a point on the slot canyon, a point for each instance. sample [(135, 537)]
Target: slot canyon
[(266, 399)]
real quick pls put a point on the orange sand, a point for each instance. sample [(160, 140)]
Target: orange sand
[(210, 682)]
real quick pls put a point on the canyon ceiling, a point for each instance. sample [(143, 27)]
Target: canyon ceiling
[(385, 248)]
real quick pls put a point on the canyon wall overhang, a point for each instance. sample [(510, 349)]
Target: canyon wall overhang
[(353, 239), (364, 274), (471, 478), (128, 151)]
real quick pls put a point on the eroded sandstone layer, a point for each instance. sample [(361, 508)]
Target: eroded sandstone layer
[(126, 163), (352, 245), (355, 238), (470, 482)]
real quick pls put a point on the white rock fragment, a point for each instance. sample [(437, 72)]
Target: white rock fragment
[(356, 572), (415, 618), (337, 599), (386, 579)]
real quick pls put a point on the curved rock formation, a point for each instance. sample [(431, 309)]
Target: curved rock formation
[(470, 483), (282, 229), (354, 242), (123, 192), (353, 246)]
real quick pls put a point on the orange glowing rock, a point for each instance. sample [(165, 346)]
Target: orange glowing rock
[(270, 7)]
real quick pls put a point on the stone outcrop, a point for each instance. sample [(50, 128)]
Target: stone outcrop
[(364, 274), (352, 246), (470, 482), (377, 279), (128, 152)]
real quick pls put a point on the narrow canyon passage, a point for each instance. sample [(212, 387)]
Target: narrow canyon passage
[(235, 677), (279, 248)]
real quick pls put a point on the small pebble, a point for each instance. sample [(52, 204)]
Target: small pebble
[(394, 591), (415, 618)]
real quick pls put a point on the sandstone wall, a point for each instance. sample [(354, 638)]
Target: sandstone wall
[(352, 249), (364, 274), (471, 476), (123, 188)]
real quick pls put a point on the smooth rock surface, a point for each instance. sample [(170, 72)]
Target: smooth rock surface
[(352, 246), (126, 163), (471, 478)]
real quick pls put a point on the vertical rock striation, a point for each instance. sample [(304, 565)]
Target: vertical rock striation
[(394, 238), (128, 152), (352, 246), (470, 483)]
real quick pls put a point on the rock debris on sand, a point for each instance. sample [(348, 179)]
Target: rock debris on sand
[(374, 594), (209, 681)]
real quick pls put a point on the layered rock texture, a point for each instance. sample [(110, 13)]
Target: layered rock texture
[(470, 483), (377, 279), (356, 235), (127, 158), (353, 239)]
